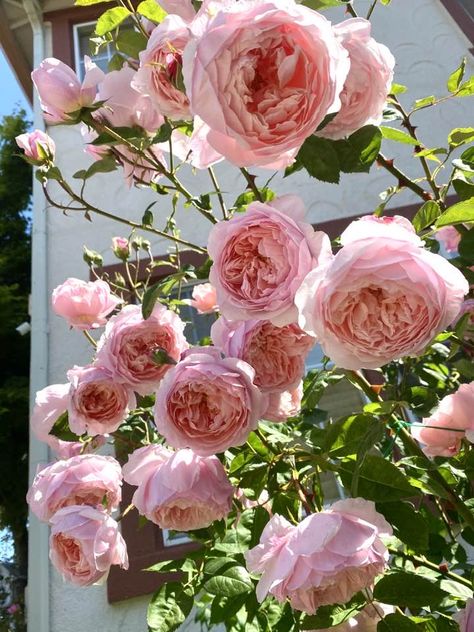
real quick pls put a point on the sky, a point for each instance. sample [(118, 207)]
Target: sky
[(11, 93)]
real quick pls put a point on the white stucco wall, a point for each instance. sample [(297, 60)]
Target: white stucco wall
[(427, 45)]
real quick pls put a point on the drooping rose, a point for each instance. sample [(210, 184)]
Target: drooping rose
[(208, 403), (159, 74), (277, 354), (204, 299), (38, 146), (382, 297), (124, 106), (60, 91), (85, 542), (260, 259), (465, 617), (283, 405), (327, 558), (368, 83), (178, 490), (129, 343), (97, 404), (263, 75), (86, 479), (452, 421), (84, 304)]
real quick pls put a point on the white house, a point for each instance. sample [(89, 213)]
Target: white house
[(428, 39)]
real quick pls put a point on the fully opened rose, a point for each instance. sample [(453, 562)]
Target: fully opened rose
[(260, 259), (208, 402), (262, 76), (327, 558), (382, 297), (83, 304), (178, 490)]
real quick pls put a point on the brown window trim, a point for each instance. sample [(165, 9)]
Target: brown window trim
[(462, 18)]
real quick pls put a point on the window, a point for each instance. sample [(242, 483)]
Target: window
[(468, 6), (81, 36)]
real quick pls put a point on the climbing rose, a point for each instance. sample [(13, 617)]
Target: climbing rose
[(325, 559), (84, 543), (285, 404), (178, 490), (86, 479), (208, 403), (85, 305), (127, 346), (263, 75), (38, 146), (204, 298), (382, 297), (261, 257)]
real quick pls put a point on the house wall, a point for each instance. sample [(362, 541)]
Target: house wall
[(427, 45)]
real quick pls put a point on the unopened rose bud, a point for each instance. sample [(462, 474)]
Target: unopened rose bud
[(39, 148), (121, 248)]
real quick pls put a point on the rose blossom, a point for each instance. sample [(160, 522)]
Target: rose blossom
[(449, 238), (325, 559), (283, 405), (121, 247), (452, 420), (208, 403), (260, 259), (86, 479), (263, 75), (97, 404), (38, 146), (60, 91), (183, 8), (204, 299), (277, 354), (84, 543), (13, 609), (465, 618), (84, 304), (178, 490), (124, 106), (160, 68), (126, 348), (382, 297), (368, 83)]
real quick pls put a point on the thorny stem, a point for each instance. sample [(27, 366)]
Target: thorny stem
[(403, 179), (219, 192), (417, 560), (251, 184)]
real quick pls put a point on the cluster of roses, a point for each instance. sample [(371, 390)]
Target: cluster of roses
[(256, 79)]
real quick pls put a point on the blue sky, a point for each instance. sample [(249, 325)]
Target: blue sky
[(11, 93)]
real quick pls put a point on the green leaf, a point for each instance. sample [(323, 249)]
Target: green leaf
[(466, 89), (105, 165), (458, 214), (169, 607), (152, 11), (397, 623), (130, 43), (149, 300), (398, 136), (426, 215), (409, 590), (454, 80), (109, 20), (461, 136), (379, 480), (423, 103), (410, 526), (319, 158), (234, 580), (358, 152), (164, 133), (344, 437), (397, 88), (329, 616), (116, 62)]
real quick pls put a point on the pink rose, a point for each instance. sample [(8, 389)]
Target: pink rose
[(449, 238), (263, 75), (13, 609), (85, 305), (38, 146), (139, 169), (124, 106), (208, 403), (277, 354), (382, 297), (183, 8), (121, 247), (97, 404), (368, 83), (204, 299), (50, 403), (159, 75), (325, 559), (283, 405), (179, 490), (127, 346), (260, 259), (465, 618), (443, 432), (60, 91), (87, 479), (84, 543), (96, 152)]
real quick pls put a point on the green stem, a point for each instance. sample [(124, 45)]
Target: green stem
[(403, 179), (251, 184), (424, 562), (371, 10), (219, 192)]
